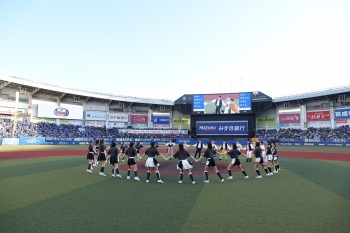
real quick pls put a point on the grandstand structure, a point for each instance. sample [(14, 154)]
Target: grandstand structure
[(319, 109)]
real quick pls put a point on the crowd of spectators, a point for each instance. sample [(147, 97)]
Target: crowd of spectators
[(46, 129), (342, 132)]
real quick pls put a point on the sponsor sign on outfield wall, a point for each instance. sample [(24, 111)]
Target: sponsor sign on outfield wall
[(163, 120), (182, 123), (120, 117), (51, 111), (318, 116), (270, 121), (289, 118)]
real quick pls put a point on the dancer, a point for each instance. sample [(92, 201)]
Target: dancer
[(96, 153), (209, 155), (151, 162), (234, 153), (90, 156), (249, 149), (184, 165), (186, 146), (170, 150), (131, 152), (122, 148), (258, 160), (275, 157), (102, 156), (114, 159), (224, 148), (269, 158), (138, 147)]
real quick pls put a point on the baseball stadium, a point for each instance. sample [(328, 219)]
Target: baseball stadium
[(65, 161)]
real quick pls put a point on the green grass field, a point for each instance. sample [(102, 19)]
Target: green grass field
[(55, 194)]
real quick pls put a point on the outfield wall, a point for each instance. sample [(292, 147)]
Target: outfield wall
[(164, 140)]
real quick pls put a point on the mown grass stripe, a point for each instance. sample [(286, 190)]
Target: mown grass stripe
[(28, 161), (285, 202)]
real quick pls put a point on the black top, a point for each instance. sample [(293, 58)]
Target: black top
[(274, 151), (249, 146), (181, 155), (268, 150), (122, 146), (91, 148), (223, 146), (257, 152), (209, 154), (113, 151), (131, 152), (138, 146), (102, 148), (234, 154), (151, 152)]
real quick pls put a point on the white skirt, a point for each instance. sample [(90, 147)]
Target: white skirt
[(186, 165), (150, 163)]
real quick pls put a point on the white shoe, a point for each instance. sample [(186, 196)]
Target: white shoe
[(269, 174), (206, 181), (136, 178), (120, 176), (113, 175), (274, 172), (222, 180), (193, 182), (230, 178), (102, 174), (147, 181), (246, 177), (128, 177), (258, 177), (88, 171), (160, 181), (180, 181), (92, 168)]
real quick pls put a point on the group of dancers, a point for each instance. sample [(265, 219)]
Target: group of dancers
[(265, 155)]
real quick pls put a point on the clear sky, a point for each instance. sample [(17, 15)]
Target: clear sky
[(164, 49)]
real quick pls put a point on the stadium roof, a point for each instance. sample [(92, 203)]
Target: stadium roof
[(40, 89), (314, 94)]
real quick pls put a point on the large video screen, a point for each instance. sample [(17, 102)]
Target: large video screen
[(222, 103), (223, 126)]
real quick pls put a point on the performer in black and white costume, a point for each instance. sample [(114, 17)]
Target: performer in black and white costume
[(184, 165), (90, 156), (275, 157), (249, 149), (96, 153), (114, 159), (102, 156), (209, 155), (258, 160), (269, 158), (186, 146), (151, 162), (234, 153), (131, 152), (224, 148), (199, 146), (138, 147), (122, 148)]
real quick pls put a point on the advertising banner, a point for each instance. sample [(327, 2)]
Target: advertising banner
[(10, 141), (139, 119), (269, 120), (99, 116), (342, 113), (222, 127), (163, 120), (155, 131), (33, 141), (51, 111), (289, 118), (181, 123), (120, 117), (318, 116)]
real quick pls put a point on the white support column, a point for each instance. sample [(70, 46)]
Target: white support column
[(303, 120)]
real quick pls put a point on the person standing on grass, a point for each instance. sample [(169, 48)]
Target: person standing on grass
[(234, 153), (96, 153), (258, 160), (170, 149), (269, 158), (184, 165), (122, 148), (138, 147), (249, 149), (199, 146), (90, 156), (114, 159), (131, 152), (102, 156), (224, 148), (209, 155), (275, 157), (151, 162)]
